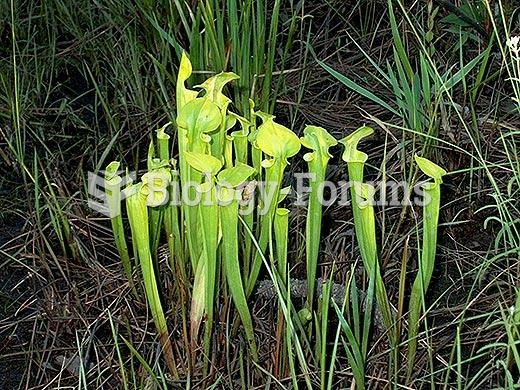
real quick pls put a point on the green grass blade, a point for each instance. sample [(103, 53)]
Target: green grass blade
[(349, 83)]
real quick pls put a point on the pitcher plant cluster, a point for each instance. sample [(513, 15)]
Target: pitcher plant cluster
[(217, 248)]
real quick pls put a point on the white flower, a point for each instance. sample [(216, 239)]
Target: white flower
[(513, 44)]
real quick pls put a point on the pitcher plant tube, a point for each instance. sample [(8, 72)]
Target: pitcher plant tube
[(278, 143), (229, 208), (432, 192), (319, 140), (364, 221), (209, 222), (138, 217), (113, 193)]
